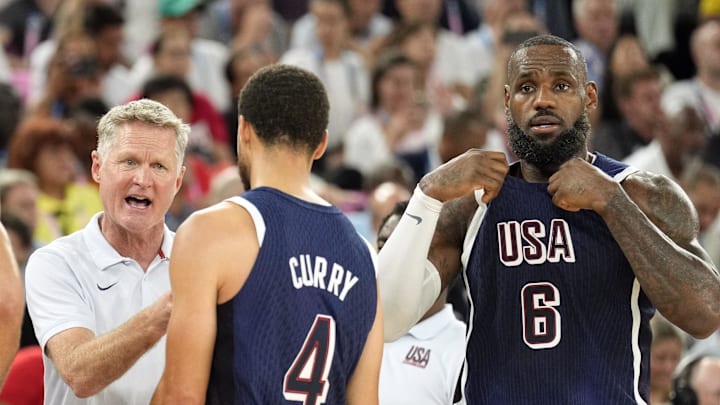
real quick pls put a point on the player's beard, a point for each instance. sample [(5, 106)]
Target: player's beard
[(549, 156)]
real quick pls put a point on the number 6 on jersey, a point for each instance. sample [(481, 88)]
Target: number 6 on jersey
[(541, 321), (306, 379)]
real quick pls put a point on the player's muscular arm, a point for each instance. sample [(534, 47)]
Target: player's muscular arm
[(12, 304), (673, 270), (409, 282), (655, 225), (447, 242), (89, 363), (362, 388)]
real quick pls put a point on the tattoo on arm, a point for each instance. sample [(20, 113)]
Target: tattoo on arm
[(447, 244), (662, 248)]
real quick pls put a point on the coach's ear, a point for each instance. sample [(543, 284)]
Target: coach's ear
[(320, 150)]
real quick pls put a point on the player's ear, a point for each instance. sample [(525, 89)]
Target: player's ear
[(320, 150), (507, 96), (244, 130), (591, 96)]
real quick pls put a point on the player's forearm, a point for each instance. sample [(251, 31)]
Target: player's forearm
[(96, 363), (11, 317), (12, 306), (408, 282), (684, 286)]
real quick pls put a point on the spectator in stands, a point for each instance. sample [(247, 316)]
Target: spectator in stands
[(675, 146), (637, 96), (103, 23), (702, 184), (241, 65), (665, 353), (208, 57), (44, 146), (367, 28), (423, 366), (18, 196), (597, 24), (400, 125), (453, 66), (341, 69), (247, 24), (73, 73)]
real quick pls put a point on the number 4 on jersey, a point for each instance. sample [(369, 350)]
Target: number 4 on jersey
[(306, 379)]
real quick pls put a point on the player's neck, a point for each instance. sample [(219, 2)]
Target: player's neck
[(534, 174), (288, 172)]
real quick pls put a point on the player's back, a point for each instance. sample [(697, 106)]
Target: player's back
[(295, 331), (557, 315)]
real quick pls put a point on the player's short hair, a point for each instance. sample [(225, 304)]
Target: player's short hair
[(552, 40), (286, 105)]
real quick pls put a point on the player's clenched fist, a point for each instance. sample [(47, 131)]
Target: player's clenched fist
[(475, 169), (579, 185)]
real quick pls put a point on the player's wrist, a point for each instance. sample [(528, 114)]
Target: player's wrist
[(425, 201)]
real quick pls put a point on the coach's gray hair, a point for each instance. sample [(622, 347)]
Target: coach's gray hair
[(145, 111)]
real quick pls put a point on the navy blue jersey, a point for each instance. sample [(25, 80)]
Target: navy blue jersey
[(557, 314), (295, 330)]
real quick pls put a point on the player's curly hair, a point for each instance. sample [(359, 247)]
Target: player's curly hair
[(285, 105)]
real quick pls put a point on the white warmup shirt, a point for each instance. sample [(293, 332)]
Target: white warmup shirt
[(80, 281), (423, 366)]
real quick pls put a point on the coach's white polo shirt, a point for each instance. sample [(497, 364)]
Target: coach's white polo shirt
[(423, 366), (80, 281)]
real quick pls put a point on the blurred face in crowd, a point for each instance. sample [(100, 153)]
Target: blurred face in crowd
[(495, 11), (687, 138), (597, 22), (173, 56), (705, 196), (20, 201), (427, 11), (386, 230), (397, 88), (706, 381), (643, 104), (332, 24), (420, 47), (362, 12), (109, 49), (706, 48), (664, 357), (138, 179), (244, 66), (55, 166), (73, 72), (176, 100), (627, 56)]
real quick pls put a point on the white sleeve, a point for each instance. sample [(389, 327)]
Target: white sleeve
[(55, 299), (409, 283)]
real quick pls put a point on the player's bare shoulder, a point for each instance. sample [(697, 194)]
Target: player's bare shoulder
[(665, 204)]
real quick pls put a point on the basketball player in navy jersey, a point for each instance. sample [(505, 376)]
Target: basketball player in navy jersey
[(567, 253), (274, 292)]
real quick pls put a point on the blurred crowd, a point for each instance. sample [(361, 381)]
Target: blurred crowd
[(411, 84)]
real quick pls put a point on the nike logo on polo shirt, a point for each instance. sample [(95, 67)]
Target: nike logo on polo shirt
[(415, 217), (106, 288)]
